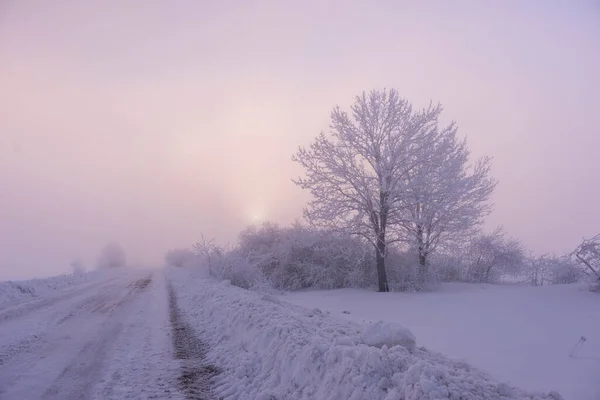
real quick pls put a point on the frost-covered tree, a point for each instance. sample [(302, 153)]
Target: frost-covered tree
[(588, 254), (208, 251), (357, 173), (111, 256), (445, 197)]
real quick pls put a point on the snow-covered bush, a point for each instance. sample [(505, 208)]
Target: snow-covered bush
[(550, 269), (448, 266), (403, 270), (298, 257), (491, 255), (443, 266), (111, 256), (291, 258), (180, 258)]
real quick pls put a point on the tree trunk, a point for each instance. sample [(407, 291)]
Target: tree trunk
[(487, 273), (380, 256), (422, 273)]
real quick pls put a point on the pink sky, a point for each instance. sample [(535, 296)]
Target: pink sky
[(151, 122)]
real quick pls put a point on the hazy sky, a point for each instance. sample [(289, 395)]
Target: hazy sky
[(150, 122)]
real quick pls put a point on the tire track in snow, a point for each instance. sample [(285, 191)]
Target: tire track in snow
[(77, 378), (68, 351), (196, 376)]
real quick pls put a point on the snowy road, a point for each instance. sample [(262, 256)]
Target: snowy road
[(113, 338)]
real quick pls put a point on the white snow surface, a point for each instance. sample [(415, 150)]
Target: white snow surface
[(518, 334), (268, 349)]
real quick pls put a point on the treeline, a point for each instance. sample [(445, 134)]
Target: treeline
[(299, 257)]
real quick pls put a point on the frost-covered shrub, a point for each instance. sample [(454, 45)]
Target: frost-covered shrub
[(489, 256), (111, 256), (180, 258), (550, 269), (300, 257), (448, 266), (566, 273), (240, 272), (292, 258), (402, 269)]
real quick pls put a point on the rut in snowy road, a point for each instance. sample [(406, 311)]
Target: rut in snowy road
[(196, 377)]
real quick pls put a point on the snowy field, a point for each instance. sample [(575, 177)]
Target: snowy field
[(268, 349), (518, 334)]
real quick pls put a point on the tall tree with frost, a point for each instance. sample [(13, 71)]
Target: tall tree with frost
[(444, 198), (357, 173)]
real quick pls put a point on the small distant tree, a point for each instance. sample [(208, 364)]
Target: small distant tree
[(77, 266), (112, 256), (209, 251), (357, 173), (588, 254)]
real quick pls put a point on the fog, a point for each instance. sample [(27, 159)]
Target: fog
[(153, 122)]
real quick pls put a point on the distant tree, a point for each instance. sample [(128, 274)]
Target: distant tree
[(588, 254), (111, 256), (445, 198), (180, 258), (492, 254), (357, 173), (77, 266), (209, 251)]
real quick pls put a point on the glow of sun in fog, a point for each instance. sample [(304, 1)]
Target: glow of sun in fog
[(257, 215)]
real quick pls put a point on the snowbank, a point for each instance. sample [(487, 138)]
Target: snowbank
[(12, 292), (519, 334), (270, 349)]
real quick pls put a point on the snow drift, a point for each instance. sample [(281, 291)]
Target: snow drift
[(269, 349), (389, 334)]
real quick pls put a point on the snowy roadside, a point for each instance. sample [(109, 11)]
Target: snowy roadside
[(13, 292), (519, 334), (268, 349)]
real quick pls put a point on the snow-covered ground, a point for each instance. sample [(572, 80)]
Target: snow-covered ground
[(269, 349), (175, 334), (108, 338), (518, 334)]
